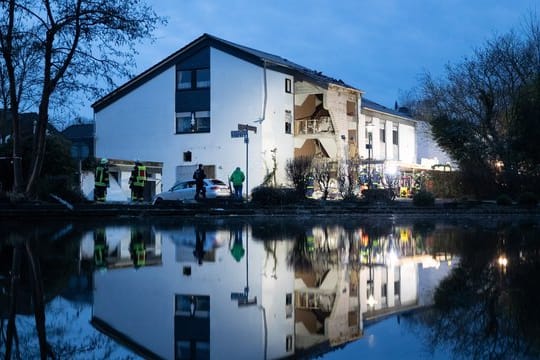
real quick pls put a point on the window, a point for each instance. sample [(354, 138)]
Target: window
[(203, 78), (183, 79), (193, 122), (351, 108), (395, 136), (193, 79), (79, 151), (382, 135), (288, 121), (192, 305), (288, 343), (187, 156), (288, 305), (288, 86)]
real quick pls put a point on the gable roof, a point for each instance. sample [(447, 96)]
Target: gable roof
[(372, 105), (254, 56), (79, 131)]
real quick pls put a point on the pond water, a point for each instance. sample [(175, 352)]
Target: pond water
[(273, 287)]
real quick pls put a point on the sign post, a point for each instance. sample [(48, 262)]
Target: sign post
[(243, 131)]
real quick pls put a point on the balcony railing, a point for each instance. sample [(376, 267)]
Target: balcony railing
[(313, 126)]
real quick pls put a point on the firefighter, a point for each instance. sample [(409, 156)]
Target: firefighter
[(310, 185), (101, 248), (137, 248), (101, 180), (137, 181)]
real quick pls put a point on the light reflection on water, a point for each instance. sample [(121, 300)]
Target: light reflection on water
[(265, 288)]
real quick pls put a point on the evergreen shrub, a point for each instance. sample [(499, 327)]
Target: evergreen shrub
[(267, 195)]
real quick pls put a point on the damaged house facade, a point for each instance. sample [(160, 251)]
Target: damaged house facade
[(188, 110)]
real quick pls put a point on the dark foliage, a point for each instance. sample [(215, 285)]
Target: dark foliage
[(265, 195), (504, 200), (423, 198), (59, 170), (528, 199)]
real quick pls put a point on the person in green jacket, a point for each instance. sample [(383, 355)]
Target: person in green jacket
[(237, 178)]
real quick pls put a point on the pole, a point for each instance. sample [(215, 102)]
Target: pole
[(246, 289), (246, 140), (370, 147)]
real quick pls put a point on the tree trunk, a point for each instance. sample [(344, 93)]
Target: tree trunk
[(39, 304), (40, 137), (14, 287), (7, 53), (16, 151)]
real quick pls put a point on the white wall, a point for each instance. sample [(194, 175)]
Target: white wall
[(140, 303), (427, 149), (237, 94), (141, 124), (406, 143), (406, 139)]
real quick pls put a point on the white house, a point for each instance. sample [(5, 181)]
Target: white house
[(188, 108), (177, 308), (391, 137)]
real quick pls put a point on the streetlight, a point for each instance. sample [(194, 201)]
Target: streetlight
[(369, 147)]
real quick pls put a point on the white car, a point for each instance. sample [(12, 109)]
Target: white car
[(185, 190)]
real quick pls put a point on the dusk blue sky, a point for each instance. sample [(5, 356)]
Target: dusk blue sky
[(378, 46)]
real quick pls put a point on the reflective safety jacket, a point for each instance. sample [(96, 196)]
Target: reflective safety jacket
[(102, 176), (139, 176)]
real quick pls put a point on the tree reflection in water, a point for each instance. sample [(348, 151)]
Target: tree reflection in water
[(38, 263), (488, 306)]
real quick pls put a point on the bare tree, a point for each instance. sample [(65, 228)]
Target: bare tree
[(297, 171), (74, 47), (322, 172), (348, 179), (477, 107)]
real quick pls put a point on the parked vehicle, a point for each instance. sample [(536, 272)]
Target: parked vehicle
[(185, 190)]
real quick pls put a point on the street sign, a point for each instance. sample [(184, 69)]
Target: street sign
[(247, 128), (238, 134)]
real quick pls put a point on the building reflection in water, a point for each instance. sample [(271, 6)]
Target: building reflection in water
[(216, 291)]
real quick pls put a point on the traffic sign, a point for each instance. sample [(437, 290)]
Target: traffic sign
[(247, 127), (238, 133)]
